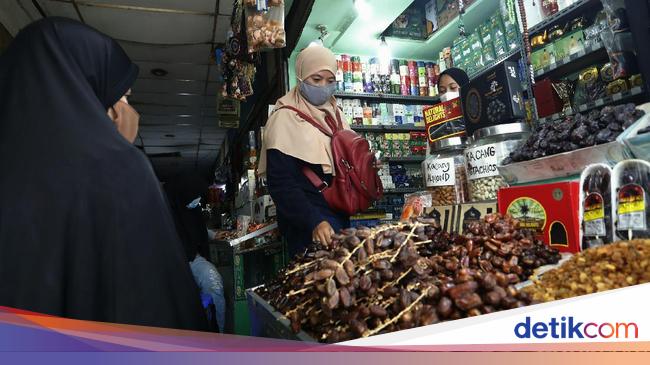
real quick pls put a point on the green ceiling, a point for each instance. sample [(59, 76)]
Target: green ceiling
[(356, 35)]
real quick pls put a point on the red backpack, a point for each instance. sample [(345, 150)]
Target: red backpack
[(356, 184)]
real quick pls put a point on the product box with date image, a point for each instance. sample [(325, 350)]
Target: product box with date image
[(495, 97), (550, 210)]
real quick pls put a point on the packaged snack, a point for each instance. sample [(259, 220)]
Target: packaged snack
[(597, 226), (632, 187), (265, 29)]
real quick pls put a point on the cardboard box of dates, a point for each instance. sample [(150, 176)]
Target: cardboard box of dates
[(551, 210), (496, 97), (456, 218)]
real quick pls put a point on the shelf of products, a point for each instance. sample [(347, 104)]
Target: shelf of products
[(387, 128), (619, 97), (512, 54), (572, 60), (389, 97), (405, 159), (402, 190), (565, 14)]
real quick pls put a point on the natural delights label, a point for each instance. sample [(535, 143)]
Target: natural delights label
[(440, 172), (594, 215), (631, 208), (482, 161)]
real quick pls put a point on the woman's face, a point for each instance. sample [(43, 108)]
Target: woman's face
[(321, 78), (125, 118), (447, 84)]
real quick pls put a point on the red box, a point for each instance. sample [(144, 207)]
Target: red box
[(547, 101), (551, 210)]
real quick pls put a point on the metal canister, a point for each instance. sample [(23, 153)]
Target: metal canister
[(357, 75), (405, 80), (413, 75), (423, 81), (395, 87), (432, 79), (348, 81), (340, 84), (369, 69)]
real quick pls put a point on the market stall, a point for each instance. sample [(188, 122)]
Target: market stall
[(538, 164)]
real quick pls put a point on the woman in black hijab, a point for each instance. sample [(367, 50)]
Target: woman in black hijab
[(449, 83), (186, 194), (85, 231)]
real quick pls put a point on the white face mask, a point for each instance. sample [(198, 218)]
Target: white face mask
[(449, 95)]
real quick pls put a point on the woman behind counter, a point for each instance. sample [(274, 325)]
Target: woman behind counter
[(291, 143), (450, 82)]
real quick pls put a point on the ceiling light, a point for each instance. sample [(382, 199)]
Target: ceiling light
[(364, 11), (159, 72), (384, 53), (323, 35)]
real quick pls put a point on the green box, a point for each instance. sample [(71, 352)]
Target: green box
[(486, 33), (475, 43), (548, 57), (488, 52), (571, 43), (536, 59)]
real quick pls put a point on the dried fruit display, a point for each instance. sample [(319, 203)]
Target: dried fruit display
[(373, 281), (597, 269), (578, 131)]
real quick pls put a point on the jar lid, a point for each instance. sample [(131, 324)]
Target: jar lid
[(447, 142), (500, 129)]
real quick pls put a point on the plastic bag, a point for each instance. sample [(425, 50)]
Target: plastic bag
[(617, 15), (618, 40), (596, 206), (265, 29), (621, 55), (592, 33), (632, 191), (210, 282)]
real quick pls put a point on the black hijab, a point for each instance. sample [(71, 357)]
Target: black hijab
[(457, 74), (84, 229), (181, 191)]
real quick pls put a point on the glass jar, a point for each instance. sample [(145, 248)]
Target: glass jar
[(444, 172), (490, 146)]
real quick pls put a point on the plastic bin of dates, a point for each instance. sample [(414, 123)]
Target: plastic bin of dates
[(395, 277), (564, 147), (637, 137)]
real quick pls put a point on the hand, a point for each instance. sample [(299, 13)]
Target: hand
[(323, 233)]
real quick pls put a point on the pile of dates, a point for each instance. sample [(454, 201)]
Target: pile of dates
[(495, 245), (576, 131), (395, 277)]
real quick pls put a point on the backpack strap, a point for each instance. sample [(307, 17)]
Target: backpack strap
[(314, 179), (308, 172)]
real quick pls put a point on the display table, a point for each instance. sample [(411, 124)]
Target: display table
[(243, 263)]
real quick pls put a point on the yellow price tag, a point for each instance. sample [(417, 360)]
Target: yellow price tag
[(595, 214), (631, 207)]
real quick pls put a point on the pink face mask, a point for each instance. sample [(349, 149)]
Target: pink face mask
[(125, 118)]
